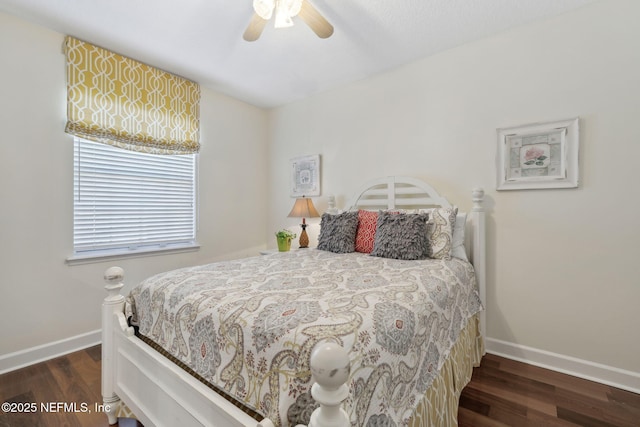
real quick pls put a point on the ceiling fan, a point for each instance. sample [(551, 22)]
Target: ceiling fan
[(284, 10)]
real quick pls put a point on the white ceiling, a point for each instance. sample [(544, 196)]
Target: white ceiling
[(202, 39)]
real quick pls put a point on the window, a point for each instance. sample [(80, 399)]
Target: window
[(130, 202)]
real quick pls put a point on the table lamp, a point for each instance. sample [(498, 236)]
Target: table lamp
[(303, 208)]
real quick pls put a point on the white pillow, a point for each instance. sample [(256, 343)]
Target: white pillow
[(440, 231), (458, 250)]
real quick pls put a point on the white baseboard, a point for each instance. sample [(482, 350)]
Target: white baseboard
[(20, 359), (615, 377)]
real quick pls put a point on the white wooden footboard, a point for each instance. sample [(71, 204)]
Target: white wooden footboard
[(160, 393)]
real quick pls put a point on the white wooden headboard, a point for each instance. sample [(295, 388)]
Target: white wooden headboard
[(396, 192)]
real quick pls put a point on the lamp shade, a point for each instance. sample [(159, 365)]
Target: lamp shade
[(303, 208)]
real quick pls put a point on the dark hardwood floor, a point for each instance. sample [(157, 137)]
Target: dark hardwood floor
[(502, 393), (73, 379)]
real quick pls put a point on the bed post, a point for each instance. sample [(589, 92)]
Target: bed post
[(478, 255), (330, 367), (113, 303)]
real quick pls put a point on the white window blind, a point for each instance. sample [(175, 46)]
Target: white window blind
[(127, 201)]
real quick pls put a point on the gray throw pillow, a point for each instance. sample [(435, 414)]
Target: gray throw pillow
[(401, 236), (338, 232)]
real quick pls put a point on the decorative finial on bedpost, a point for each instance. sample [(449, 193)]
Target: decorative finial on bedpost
[(114, 277), (330, 367), (477, 196)]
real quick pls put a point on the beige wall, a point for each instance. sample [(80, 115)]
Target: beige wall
[(44, 300), (562, 263)]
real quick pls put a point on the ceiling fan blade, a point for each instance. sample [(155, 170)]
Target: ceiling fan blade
[(253, 31), (313, 19)]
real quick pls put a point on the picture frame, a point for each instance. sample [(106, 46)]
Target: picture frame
[(305, 176), (538, 155)]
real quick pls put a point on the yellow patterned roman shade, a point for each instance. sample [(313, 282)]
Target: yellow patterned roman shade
[(122, 102)]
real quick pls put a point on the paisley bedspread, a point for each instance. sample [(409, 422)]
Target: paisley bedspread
[(248, 327)]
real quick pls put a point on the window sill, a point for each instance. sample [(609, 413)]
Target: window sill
[(103, 256)]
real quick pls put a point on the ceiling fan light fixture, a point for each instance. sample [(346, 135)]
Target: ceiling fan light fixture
[(294, 7), (264, 8), (283, 16), (285, 10)]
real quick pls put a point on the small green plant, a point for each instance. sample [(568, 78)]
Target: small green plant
[(286, 234)]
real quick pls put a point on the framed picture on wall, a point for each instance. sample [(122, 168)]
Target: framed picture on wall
[(538, 155), (305, 176)]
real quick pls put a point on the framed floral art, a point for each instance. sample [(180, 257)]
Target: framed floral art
[(538, 155)]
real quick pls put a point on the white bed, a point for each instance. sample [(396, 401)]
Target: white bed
[(159, 392)]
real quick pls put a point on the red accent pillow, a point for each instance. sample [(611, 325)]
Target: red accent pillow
[(366, 231)]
